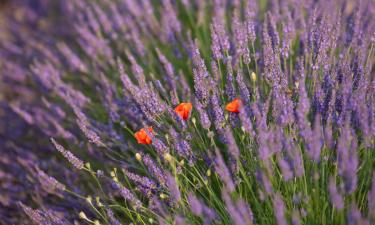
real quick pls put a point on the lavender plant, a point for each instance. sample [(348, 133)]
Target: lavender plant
[(191, 112)]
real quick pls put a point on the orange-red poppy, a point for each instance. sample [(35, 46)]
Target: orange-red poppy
[(183, 110), (234, 106), (142, 136)]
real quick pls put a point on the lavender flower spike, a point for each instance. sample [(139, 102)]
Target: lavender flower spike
[(173, 188), (335, 196), (77, 163), (224, 172), (279, 208)]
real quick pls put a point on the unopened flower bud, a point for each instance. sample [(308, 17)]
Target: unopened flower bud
[(138, 156), (82, 215), (253, 77), (89, 199), (208, 173), (168, 157)]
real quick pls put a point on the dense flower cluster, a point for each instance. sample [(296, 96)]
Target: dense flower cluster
[(188, 112)]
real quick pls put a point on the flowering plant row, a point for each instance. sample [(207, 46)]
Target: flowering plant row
[(188, 112)]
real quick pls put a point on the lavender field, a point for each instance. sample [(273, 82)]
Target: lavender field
[(187, 112)]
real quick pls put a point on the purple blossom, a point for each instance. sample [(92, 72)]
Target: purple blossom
[(311, 106), (182, 146), (215, 46), (74, 61), (354, 217), (127, 195), (250, 20), (49, 184), (198, 208), (223, 172), (245, 211), (347, 158), (77, 163), (89, 133), (232, 145), (204, 119), (229, 86), (279, 209), (35, 215), (222, 33), (140, 180), (264, 181), (154, 169), (112, 217), (335, 196), (244, 91), (173, 188), (217, 112), (236, 216), (240, 34), (285, 169), (200, 75)]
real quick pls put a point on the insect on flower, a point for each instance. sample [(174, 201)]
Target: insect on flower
[(234, 106), (183, 110), (142, 136)]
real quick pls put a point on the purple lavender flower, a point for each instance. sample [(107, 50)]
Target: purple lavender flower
[(240, 34), (223, 172), (236, 216), (182, 146), (200, 75), (198, 208), (112, 217), (232, 145), (246, 122), (335, 196), (229, 86), (127, 195), (312, 105), (204, 119), (35, 215), (347, 158), (354, 217), (173, 188), (49, 184), (77, 163), (217, 112), (285, 169), (74, 61), (154, 169), (279, 209), (264, 180), (140, 180), (169, 69), (245, 211), (222, 33), (89, 133), (250, 23), (244, 91), (215, 46)]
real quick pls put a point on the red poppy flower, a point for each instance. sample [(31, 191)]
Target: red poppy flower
[(142, 136), (234, 106), (183, 110)]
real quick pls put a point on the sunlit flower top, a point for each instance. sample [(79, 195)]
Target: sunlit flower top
[(142, 136), (234, 106), (183, 110)]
